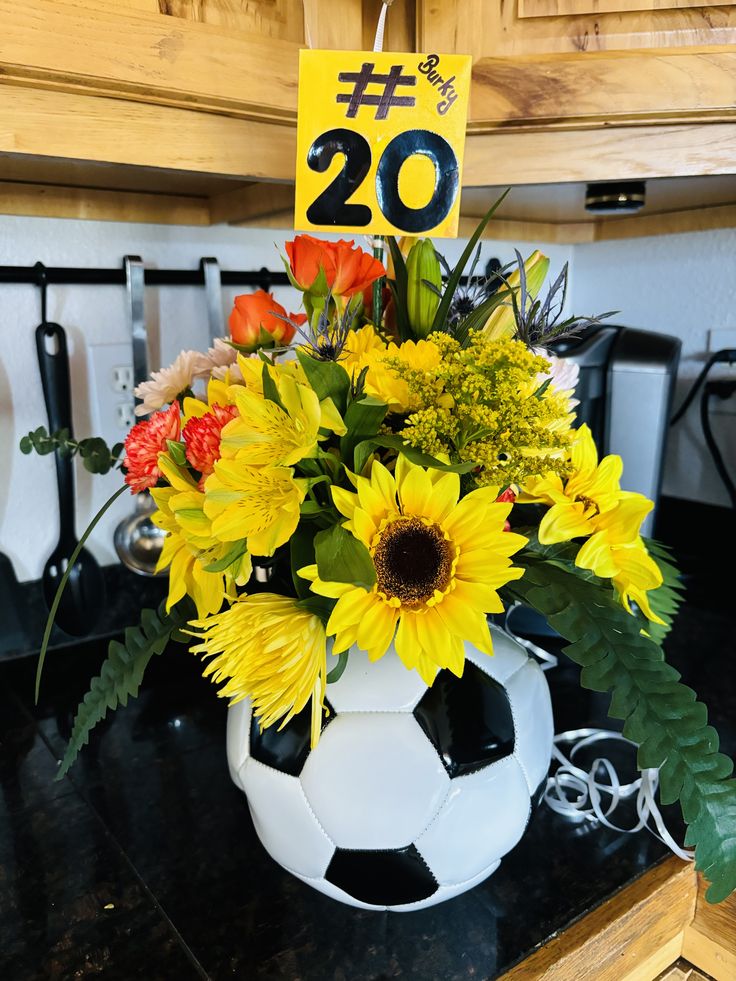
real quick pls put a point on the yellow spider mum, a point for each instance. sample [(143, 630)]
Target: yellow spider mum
[(438, 562), (268, 649), (260, 504), (189, 547)]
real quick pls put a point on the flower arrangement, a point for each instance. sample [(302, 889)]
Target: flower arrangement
[(390, 467)]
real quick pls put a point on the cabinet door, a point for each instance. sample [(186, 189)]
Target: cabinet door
[(511, 28)]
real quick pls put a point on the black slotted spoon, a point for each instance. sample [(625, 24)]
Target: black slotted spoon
[(84, 595)]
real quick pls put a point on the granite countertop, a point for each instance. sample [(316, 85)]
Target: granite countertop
[(143, 863)]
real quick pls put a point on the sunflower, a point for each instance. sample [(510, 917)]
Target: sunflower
[(267, 648), (438, 563)]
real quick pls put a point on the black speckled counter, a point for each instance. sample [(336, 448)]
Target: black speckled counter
[(144, 863)]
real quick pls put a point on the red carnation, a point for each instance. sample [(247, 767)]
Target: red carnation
[(508, 496), (202, 437), (144, 443)]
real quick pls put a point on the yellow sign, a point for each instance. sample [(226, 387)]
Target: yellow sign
[(380, 142)]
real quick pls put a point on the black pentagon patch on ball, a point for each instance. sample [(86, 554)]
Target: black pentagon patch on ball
[(468, 720), (286, 749), (382, 878)]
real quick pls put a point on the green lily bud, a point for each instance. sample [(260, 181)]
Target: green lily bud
[(422, 267)]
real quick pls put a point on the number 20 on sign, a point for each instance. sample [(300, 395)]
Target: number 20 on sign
[(380, 142)]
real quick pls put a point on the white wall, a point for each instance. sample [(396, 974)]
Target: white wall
[(683, 285), (176, 319)]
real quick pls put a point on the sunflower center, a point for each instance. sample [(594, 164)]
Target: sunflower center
[(412, 560)]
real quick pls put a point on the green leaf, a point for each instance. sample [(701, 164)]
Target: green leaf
[(122, 672), (336, 673), (301, 553), (440, 317), (659, 713), (270, 391), (364, 449), (399, 287), (363, 420), (318, 606), (342, 558), (477, 318), (177, 451), (664, 601), (236, 552), (328, 379)]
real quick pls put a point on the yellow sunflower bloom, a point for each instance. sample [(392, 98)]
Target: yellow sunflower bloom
[(189, 547), (439, 562), (268, 649), (260, 504)]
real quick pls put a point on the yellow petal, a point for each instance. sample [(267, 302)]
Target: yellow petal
[(562, 523)]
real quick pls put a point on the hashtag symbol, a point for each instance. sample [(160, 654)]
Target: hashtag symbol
[(383, 102)]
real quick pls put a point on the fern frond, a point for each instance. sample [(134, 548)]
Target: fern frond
[(660, 714), (666, 600), (122, 672)]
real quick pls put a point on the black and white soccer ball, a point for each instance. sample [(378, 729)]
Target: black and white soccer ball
[(413, 794)]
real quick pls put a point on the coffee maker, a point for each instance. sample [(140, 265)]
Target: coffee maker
[(626, 386)]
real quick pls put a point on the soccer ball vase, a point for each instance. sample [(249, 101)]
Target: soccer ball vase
[(413, 794)]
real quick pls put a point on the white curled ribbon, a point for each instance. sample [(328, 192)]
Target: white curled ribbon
[(381, 26), (588, 804), (579, 794)]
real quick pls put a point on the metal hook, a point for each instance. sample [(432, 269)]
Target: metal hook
[(42, 283), (213, 295)]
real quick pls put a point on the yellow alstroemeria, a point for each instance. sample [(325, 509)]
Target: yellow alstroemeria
[(383, 383), (577, 503), (501, 321), (259, 504), (267, 435), (439, 562), (218, 393), (189, 547)]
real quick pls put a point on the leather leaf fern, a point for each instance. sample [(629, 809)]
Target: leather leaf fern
[(660, 714), (122, 672)]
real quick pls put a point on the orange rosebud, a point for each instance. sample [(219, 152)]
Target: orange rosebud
[(347, 269), (255, 312)]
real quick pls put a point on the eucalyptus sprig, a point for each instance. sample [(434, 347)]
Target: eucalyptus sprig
[(94, 452)]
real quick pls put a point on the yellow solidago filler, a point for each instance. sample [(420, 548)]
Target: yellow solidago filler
[(260, 504), (189, 546), (479, 405), (439, 562), (268, 649)]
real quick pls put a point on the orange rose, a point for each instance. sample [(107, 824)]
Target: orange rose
[(255, 312), (348, 270)]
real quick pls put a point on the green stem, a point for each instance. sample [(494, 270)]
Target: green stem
[(378, 286), (65, 578)]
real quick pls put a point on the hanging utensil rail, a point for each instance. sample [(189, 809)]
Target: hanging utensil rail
[(78, 276)]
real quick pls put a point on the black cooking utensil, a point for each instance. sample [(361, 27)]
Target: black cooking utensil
[(83, 597)]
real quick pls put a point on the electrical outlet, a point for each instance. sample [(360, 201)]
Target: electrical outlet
[(111, 390), (122, 378)]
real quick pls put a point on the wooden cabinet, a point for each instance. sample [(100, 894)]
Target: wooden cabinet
[(180, 109)]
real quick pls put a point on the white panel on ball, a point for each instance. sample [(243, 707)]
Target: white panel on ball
[(238, 738), (385, 685), (484, 816), (532, 708), (284, 821), (508, 656), (374, 782)]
